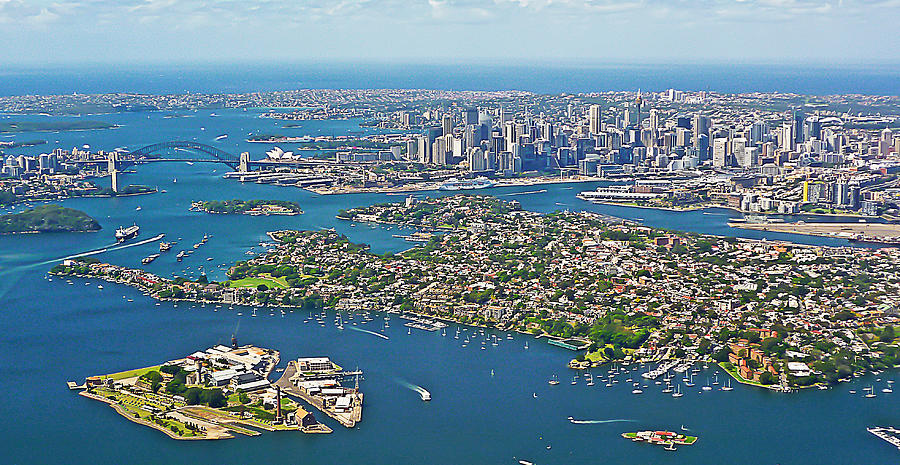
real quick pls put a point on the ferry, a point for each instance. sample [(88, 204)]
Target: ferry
[(125, 233), (663, 438), (454, 184)]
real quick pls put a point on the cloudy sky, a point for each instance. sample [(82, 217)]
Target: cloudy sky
[(40, 32)]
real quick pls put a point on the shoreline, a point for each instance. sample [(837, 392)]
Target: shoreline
[(874, 233), (142, 422), (726, 207), (435, 186)]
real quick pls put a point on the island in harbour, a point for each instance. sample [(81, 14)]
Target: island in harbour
[(248, 207), (44, 126), (48, 218), (616, 291), (225, 390)]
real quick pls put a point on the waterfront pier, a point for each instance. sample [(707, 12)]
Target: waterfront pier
[(348, 417)]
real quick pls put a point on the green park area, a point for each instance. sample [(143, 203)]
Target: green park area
[(131, 373), (267, 280)]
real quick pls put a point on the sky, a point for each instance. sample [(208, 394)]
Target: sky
[(60, 32)]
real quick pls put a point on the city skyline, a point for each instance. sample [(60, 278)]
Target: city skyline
[(570, 31)]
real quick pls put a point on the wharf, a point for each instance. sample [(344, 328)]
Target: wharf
[(348, 419), (888, 434)]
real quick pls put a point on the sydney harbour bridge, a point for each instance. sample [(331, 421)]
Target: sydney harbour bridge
[(189, 151)]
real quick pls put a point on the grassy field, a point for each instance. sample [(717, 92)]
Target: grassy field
[(131, 405), (269, 281), (599, 356), (132, 373)]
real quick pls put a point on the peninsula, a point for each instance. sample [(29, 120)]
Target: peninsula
[(48, 218), (764, 310)]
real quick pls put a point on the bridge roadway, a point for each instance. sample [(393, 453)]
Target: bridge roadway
[(348, 419)]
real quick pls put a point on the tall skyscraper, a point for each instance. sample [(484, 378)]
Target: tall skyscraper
[(447, 125), (758, 132), (797, 127), (700, 125), (595, 116), (654, 127), (720, 152), (471, 116)]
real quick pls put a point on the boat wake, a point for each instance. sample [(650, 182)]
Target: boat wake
[(108, 248), (413, 387), (598, 422), (527, 192), (369, 332), (6, 285)]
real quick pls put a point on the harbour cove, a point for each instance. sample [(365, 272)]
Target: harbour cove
[(487, 406)]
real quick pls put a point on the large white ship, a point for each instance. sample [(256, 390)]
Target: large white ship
[(454, 184), (125, 233)]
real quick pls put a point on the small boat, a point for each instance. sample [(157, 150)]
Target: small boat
[(637, 391), (553, 381), (671, 446), (727, 386), (678, 393)]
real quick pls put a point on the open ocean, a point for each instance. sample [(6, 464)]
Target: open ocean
[(880, 79)]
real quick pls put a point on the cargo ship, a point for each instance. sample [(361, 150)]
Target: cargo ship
[(125, 233), (454, 184)]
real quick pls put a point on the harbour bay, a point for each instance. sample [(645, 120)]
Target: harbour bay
[(55, 332)]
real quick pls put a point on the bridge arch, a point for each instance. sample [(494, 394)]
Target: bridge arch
[(215, 153)]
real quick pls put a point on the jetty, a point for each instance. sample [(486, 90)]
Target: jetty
[(348, 412), (889, 434)]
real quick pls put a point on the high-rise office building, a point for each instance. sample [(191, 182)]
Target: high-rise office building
[(720, 152), (471, 116), (654, 127), (447, 125), (700, 125), (595, 115)]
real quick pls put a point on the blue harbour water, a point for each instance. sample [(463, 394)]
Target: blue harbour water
[(53, 332)]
